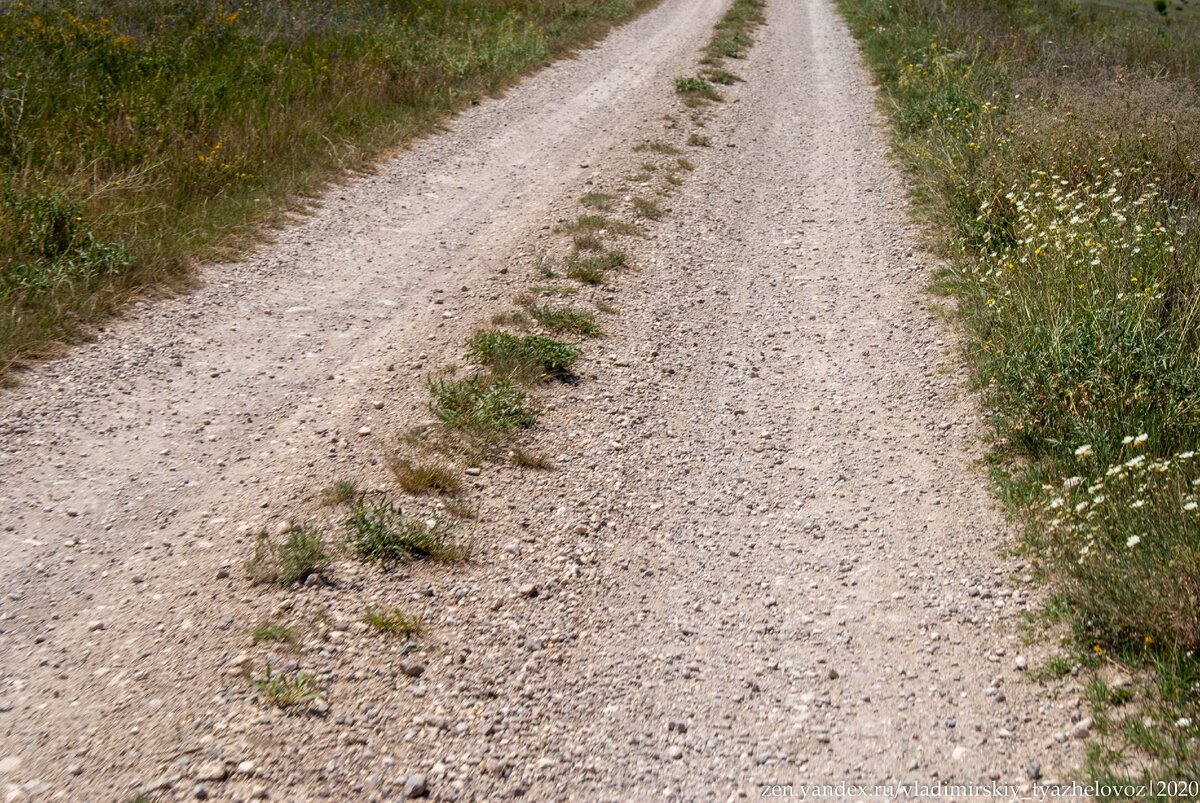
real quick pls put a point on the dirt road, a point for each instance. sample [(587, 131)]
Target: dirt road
[(765, 555)]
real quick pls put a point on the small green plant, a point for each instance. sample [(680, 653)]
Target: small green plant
[(723, 77), (381, 533), (486, 409), (592, 268), (293, 560), (287, 692), (425, 477), (674, 179), (657, 147), (267, 630), (697, 90), (685, 164), (699, 141), (648, 208), (339, 493), (595, 224), (394, 622), (565, 319), (606, 308), (597, 200), (527, 359)]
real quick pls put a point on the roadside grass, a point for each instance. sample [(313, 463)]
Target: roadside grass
[(394, 622), (1054, 149), (528, 359), (302, 554), (425, 477), (137, 138), (381, 533), (699, 141), (339, 493), (287, 691), (565, 319)]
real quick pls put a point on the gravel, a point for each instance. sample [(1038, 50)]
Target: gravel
[(765, 555)]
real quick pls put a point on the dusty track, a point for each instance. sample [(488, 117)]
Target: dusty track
[(765, 557)]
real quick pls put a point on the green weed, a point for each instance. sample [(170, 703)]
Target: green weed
[(527, 359), (425, 477), (565, 319), (381, 533), (302, 554), (394, 622)]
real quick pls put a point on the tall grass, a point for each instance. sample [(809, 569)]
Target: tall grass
[(136, 135), (1056, 148)]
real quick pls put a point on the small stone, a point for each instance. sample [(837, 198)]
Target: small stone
[(1020, 662), (414, 669), (9, 764), (528, 590), (959, 753), (5, 706), (200, 792), (97, 625), (833, 674), (246, 767), (212, 771), (258, 792), (1082, 728), (474, 471), (675, 752), (415, 786), (1033, 770)]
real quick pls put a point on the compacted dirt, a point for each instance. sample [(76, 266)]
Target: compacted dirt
[(765, 554)]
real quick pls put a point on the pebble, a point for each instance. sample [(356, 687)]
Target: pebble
[(415, 786), (212, 771)]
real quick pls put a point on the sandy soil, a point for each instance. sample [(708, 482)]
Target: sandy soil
[(766, 554)]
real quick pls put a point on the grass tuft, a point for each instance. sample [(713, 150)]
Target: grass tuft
[(287, 691), (526, 359), (648, 209), (394, 622), (381, 533), (339, 493), (565, 319), (697, 90), (293, 560), (699, 141), (267, 630), (487, 410), (425, 477), (597, 200)]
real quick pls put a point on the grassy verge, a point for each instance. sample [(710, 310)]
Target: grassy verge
[(1055, 148), (139, 135)]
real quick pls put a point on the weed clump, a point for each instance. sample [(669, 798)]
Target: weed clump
[(486, 409), (527, 359), (425, 477), (381, 533), (565, 319), (301, 555), (394, 622)]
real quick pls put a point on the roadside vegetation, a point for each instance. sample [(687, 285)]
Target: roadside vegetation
[(138, 136), (1055, 148)]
